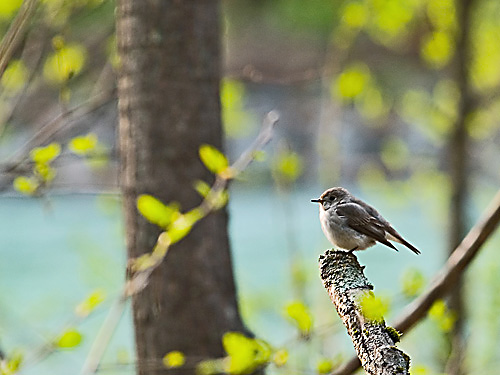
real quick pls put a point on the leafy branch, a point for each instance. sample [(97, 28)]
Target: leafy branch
[(176, 226)]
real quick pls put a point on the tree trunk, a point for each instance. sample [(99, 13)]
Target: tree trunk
[(458, 155), (169, 105)]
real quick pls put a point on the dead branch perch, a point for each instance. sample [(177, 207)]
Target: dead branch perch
[(457, 263), (346, 284)]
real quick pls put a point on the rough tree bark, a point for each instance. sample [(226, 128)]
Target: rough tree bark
[(169, 106), (346, 284)]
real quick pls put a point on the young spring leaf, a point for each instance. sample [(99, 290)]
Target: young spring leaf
[(155, 211), (88, 305), (174, 359), (245, 354), (69, 339), (44, 155), (25, 185), (84, 144), (215, 161), (374, 308), (299, 314)]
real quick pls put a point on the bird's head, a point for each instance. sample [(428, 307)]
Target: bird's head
[(331, 196)]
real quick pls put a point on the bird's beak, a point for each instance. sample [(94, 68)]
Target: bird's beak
[(317, 200)]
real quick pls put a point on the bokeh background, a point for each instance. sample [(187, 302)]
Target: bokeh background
[(372, 96)]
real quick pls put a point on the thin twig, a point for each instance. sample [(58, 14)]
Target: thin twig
[(455, 266), (15, 33)]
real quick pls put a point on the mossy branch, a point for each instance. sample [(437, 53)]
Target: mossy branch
[(343, 278)]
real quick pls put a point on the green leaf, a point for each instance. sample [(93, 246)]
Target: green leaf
[(441, 315), (69, 339), (25, 185), (83, 145), (12, 363), (44, 171), (15, 76), (300, 316), (44, 155), (202, 188), (174, 359), (215, 161), (352, 81), (183, 224), (66, 62), (90, 303), (374, 308), (324, 366), (280, 357), (245, 354), (287, 166), (155, 211), (8, 8), (412, 282)]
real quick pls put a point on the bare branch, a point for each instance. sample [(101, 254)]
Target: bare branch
[(455, 266)]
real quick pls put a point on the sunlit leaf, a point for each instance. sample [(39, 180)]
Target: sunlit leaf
[(371, 104), (440, 314), (69, 339), (44, 155), (25, 185), (174, 359), (183, 224), (300, 316), (324, 366), (437, 49), (15, 76), (287, 166), (419, 370), (374, 308), (395, 154), (90, 303), (65, 63), (280, 357), (352, 81), (155, 211), (84, 144), (442, 14), (213, 159), (8, 8), (236, 120), (44, 172), (12, 363), (412, 282), (355, 14), (485, 69), (211, 367), (202, 188), (244, 354)]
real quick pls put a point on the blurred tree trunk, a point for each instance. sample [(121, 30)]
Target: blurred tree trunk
[(169, 106), (458, 156)]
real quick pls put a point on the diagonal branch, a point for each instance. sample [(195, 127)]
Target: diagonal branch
[(455, 266)]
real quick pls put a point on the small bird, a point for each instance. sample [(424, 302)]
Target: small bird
[(351, 224)]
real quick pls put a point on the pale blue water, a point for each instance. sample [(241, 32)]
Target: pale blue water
[(56, 251)]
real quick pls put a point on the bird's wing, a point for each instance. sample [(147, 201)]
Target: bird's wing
[(357, 218)]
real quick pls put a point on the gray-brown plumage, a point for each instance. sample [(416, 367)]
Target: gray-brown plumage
[(351, 224)]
